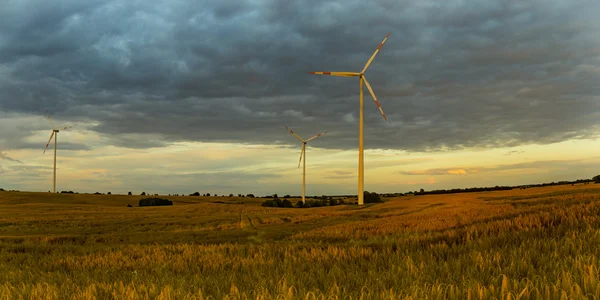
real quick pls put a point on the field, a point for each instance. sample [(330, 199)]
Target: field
[(537, 243)]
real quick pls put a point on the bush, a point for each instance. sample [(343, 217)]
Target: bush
[(300, 204), (269, 203), (129, 193), (155, 202), (277, 203), (195, 194), (596, 179), (143, 194), (372, 197), (250, 195)]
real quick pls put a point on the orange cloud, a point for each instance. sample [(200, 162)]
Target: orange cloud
[(458, 172)]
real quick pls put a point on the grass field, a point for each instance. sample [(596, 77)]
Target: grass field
[(537, 243)]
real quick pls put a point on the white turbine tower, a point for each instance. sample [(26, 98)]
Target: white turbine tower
[(55, 135), (303, 154)]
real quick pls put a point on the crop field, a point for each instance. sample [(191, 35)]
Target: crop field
[(536, 243)]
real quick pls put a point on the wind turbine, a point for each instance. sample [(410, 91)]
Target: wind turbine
[(363, 79), (55, 135), (303, 153)]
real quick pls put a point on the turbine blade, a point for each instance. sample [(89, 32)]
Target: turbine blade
[(316, 136), (301, 152), (375, 53), (51, 124), (342, 74), (51, 135), (374, 98), (294, 134)]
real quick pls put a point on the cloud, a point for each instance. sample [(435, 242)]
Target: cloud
[(512, 152), (339, 174), (547, 164), (5, 156), (452, 75)]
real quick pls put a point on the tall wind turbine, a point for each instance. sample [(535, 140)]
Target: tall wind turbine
[(363, 79), (303, 154), (55, 135)]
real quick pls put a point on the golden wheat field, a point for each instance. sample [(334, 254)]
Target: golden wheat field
[(537, 243)]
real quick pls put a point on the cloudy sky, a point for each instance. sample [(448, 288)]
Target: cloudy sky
[(183, 96)]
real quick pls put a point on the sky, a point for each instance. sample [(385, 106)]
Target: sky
[(174, 97)]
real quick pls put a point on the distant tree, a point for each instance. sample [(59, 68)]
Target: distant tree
[(195, 194), (230, 195), (300, 204), (286, 196), (287, 203), (372, 197), (207, 194), (250, 195), (422, 191), (129, 193), (109, 193), (275, 196), (155, 202), (143, 194), (596, 179), (270, 203), (240, 195)]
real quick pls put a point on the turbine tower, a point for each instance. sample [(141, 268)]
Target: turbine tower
[(303, 154), (363, 80), (55, 135)]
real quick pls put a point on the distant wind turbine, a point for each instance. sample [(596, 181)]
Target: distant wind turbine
[(303, 154), (363, 79), (55, 135)]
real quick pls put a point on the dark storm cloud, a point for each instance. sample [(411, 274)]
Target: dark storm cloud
[(452, 74)]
